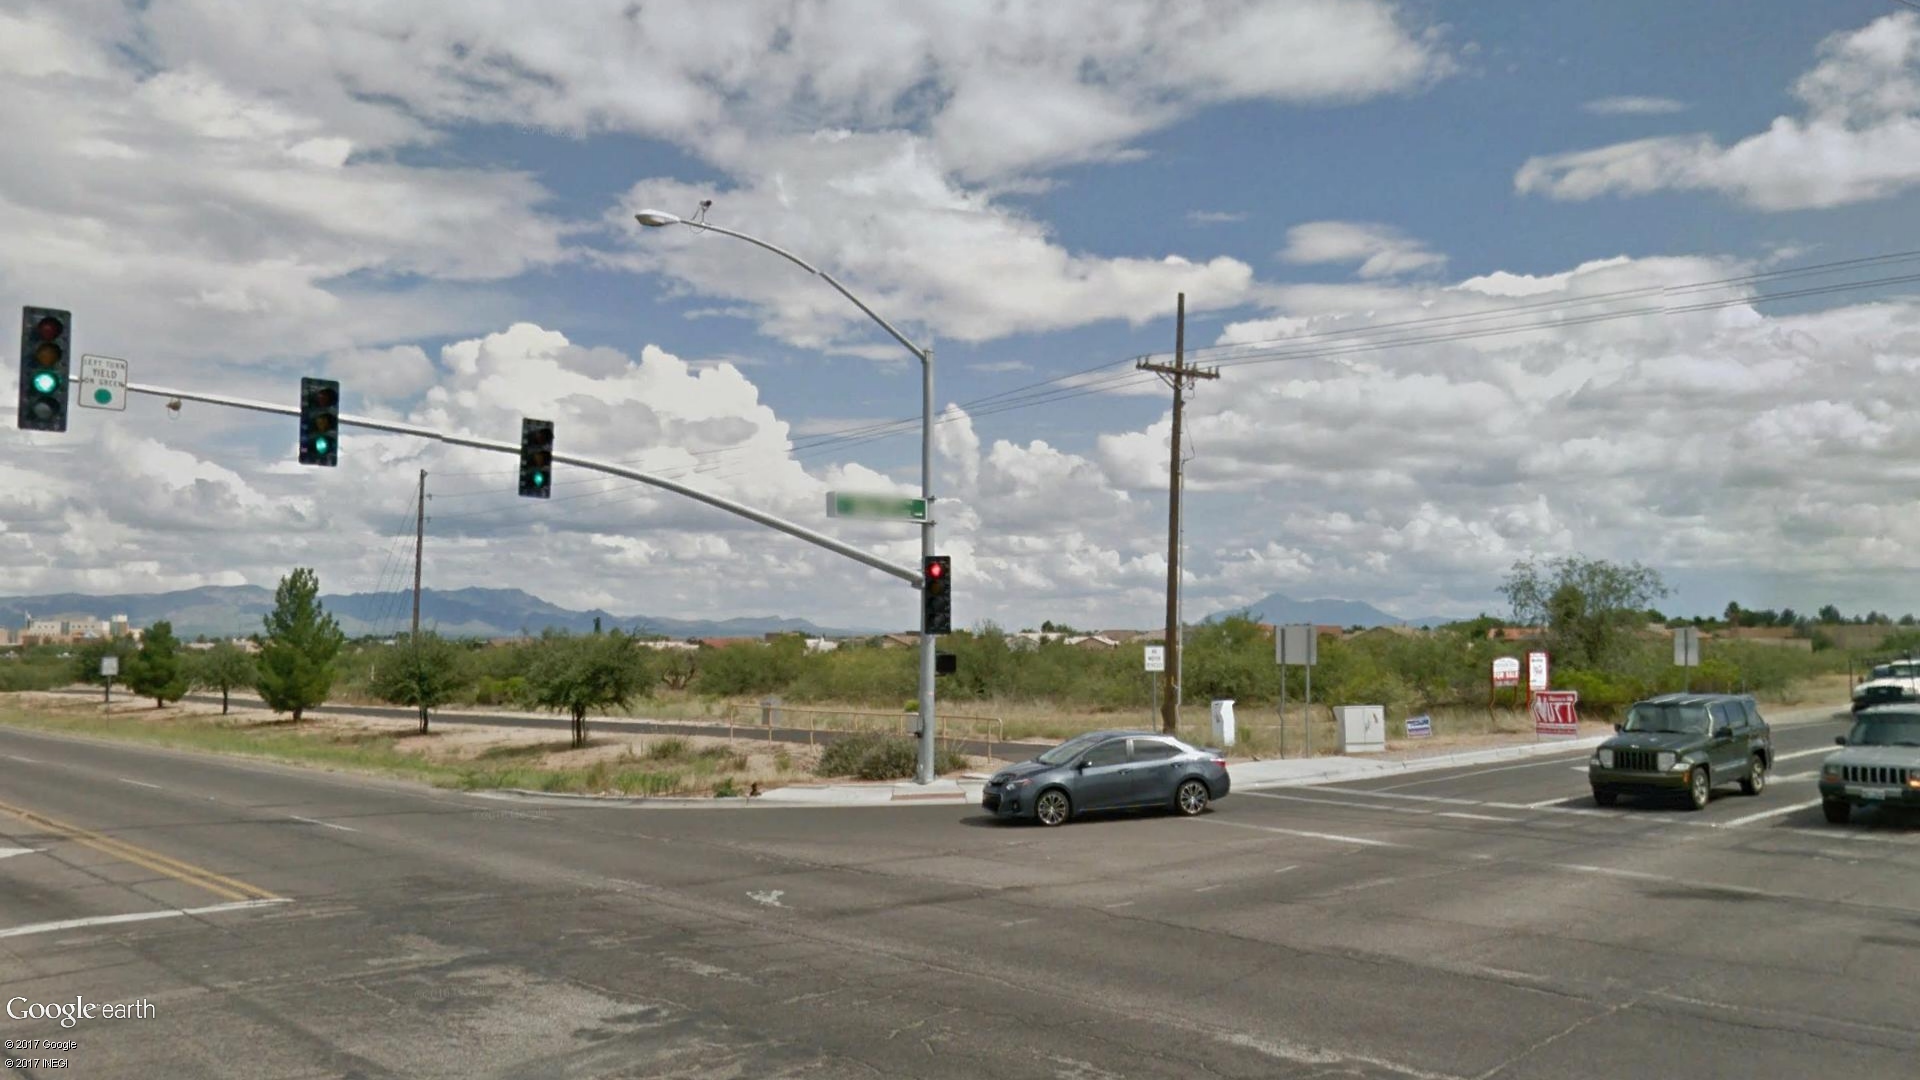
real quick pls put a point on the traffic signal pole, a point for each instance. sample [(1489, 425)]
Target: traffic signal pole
[(924, 772), (908, 574)]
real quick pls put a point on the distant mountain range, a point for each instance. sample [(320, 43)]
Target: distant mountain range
[(219, 610), (1282, 609)]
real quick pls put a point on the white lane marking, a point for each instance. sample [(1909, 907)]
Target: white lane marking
[(1450, 801), (1483, 772), (1580, 768), (1123, 903), (1559, 801), (771, 898), (1335, 837), (322, 824), (139, 783), (10, 852), (1210, 888), (1337, 802), (1284, 869), (1795, 778), (1775, 812), (1019, 922), (1806, 753), (1474, 817), (27, 760), (1610, 871), (140, 916)]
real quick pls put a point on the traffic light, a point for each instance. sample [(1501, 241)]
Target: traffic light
[(46, 342), (936, 594), (536, 458), (319, 422)]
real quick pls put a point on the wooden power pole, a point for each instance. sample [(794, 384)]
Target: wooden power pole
[(1181, 377)]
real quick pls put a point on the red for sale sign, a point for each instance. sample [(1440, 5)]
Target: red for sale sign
[(1554, 713)]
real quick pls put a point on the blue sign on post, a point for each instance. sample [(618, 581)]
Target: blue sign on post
[(1419, 727)]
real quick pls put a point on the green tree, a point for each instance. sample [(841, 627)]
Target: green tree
[(423, 671), (1829, 615), (302, 640), (222, 668), (86, 662), (157, 670), (1589, 606), (576, 675)]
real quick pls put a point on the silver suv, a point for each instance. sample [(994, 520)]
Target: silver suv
[(1880, 765)]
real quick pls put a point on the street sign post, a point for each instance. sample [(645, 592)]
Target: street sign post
[(1296, 646), (1686, 652), (103, 383), (109, 667), (847, 504), (1156, 661)]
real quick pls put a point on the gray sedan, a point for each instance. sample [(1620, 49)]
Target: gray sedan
[(1108, 770)]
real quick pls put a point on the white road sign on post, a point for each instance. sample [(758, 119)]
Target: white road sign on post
[(103, 383), (1539, 675), (1156, 658), (1686, 646)]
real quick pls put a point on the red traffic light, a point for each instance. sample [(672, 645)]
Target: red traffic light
[(49, 328), (936, 570)]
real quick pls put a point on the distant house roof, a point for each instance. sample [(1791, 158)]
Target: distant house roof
[(727, 642), (1118, 636), (894, 640), (1516, 633), (1092, 641)]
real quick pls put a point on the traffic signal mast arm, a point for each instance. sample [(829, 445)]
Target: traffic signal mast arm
[(908, 574)]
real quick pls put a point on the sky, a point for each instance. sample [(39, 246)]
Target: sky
[(1483, 282)]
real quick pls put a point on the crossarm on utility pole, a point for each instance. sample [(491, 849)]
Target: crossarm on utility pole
[(904, 573)]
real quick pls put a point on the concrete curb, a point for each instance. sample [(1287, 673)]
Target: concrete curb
[(1339, 768)]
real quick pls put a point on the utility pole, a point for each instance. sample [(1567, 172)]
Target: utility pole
[(419, 541), (1181, 377)]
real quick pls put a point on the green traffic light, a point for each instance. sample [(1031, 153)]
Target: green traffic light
[(45, 382), (539, 479), (320, 445)]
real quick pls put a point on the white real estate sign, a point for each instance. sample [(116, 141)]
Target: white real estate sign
[(103, 383)]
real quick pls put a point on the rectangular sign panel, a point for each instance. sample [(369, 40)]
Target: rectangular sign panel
[(1554, 712), (1506, 671), (109, 665), (1686, 646), (846, 504), (1156, 658), (1419, 727), (1539, 672), (1297, 646), (103, 383)]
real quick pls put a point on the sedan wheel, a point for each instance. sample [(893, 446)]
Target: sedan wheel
[(1756, 781), (1699, 788), (1192, 798), (1053, 808)]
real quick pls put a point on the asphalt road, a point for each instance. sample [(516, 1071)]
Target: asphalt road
[(1004, 751), (1474, 923)]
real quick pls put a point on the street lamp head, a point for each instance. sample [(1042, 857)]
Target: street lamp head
[(656, 218)]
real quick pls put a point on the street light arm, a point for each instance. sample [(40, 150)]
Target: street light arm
[(803, 264)]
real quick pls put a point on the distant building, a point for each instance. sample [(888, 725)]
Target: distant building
[(727, 642), (1516, 633), (1093, 642), (670, 646)]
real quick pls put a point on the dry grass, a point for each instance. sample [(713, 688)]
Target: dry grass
[(452, 755)]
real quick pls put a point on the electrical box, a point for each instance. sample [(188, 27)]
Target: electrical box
[(1362, 728), (1223, 723)]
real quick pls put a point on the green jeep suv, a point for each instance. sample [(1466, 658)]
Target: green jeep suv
[(1684, 744), (1880, 765)]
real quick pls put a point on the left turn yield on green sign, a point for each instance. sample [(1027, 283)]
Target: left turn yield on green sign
[(103, 383)]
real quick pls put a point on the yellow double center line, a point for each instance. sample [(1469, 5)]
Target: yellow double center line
[(217, 884)]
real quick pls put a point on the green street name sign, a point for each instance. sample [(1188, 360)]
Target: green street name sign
[(842, 504)]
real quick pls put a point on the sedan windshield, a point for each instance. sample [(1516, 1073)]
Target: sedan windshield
[(1069, 750), (1673, 719), (1886, 731)]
